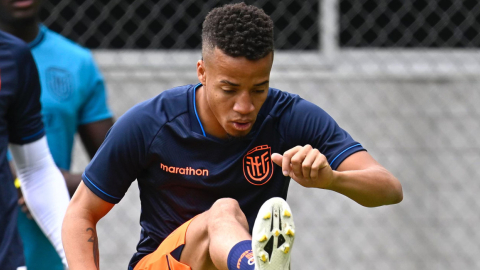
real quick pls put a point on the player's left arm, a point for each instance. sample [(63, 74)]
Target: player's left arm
[(95, 118), (359, 177), (92, 136)]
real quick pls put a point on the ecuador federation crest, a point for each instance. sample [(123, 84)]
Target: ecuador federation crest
[(60, 83), (258, 165)]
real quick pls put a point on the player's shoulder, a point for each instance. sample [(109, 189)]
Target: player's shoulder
[(64, 45), (14, 46), (9, 40), (284, 105), (279, 101), (173, 102), (176, 93), (281, 96), (162, 108)]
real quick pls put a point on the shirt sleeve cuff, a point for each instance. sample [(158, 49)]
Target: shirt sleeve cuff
[(340, 157), (99, 192), (28, 139)]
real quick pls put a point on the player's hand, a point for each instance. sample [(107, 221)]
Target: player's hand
[(23, 205), (306, 165)]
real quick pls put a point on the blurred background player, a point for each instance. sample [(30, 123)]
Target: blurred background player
[(202, 155), (21, 125), (73, 99)]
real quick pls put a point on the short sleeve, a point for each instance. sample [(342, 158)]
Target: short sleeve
[(24, 116), (121, 157), (309, 124), (95, 107)]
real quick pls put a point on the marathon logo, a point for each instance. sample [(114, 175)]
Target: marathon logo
[(184, 171)]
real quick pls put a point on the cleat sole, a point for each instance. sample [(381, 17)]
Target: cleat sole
[(275, 231)]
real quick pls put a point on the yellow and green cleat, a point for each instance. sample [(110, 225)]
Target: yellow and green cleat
[(273, 234)]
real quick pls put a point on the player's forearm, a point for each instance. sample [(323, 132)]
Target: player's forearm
[(370, 187), (80, 241)]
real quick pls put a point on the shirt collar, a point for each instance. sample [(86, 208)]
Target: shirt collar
[(39, 38)]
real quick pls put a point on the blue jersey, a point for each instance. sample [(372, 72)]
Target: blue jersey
[(20, 123), (73, 91), (181, 172)]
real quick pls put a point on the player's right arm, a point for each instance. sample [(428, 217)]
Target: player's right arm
[(117, 163), (94, 116), (79, 232)]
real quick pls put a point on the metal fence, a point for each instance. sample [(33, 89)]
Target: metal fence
[(420, 23), (155, 24), (388, 71)]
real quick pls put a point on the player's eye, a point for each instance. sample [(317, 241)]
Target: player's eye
[(228, 91), (259, 91)]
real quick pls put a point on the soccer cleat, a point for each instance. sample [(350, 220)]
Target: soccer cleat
[(263, 238), (273, 234)]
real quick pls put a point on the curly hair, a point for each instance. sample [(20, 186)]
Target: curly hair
[(238, 30)]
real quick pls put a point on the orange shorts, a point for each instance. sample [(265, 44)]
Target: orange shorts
[(161, 259)]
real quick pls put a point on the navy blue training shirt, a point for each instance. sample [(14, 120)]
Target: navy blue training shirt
[(181, 171), (20, 123)]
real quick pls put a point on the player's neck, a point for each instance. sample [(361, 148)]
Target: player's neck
[(26, 31), (208, 119)]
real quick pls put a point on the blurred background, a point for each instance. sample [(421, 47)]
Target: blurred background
[(401, 76)]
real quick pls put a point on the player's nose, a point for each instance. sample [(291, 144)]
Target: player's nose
[(244, 104)]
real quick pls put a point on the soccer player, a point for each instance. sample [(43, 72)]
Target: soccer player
[(204, 155), (20, 124), (73, 99)]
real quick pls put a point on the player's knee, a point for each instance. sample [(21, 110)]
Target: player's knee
[(226, 210), (225, 207)]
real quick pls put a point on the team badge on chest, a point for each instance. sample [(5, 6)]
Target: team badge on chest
[(60, 83), (258, 165)]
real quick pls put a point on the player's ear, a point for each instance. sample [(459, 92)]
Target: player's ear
[(202, 76)]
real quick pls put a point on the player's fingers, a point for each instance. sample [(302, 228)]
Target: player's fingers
[(277, 159), (298, 159), (21, 201), (308, 162), (319, 163), (287, 157)]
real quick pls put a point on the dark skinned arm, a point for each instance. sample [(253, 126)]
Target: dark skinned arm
[(92, 136)]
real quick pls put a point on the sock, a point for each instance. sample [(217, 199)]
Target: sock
[(241, 256)]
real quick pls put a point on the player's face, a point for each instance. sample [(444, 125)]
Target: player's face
[(14, 11), (235, 89)]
